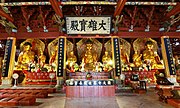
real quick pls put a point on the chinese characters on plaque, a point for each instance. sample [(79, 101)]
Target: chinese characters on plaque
[(7, 56), (117, 56), (60, 68), (169, 54), (88, 25)]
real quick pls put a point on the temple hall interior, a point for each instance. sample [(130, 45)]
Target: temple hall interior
[(90, 54)]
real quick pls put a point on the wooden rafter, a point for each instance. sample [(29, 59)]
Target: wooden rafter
[(56, 8), (117, 7), (7, 16), (150, 15), (174, 11), (120, 5)]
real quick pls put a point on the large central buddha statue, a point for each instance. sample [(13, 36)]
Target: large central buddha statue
[(89, 58), (151, 57)]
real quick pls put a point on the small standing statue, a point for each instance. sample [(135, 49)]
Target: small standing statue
[(137, 59), (124, 56), (107, 61), (71, 61), (54, 59), (41, 59)]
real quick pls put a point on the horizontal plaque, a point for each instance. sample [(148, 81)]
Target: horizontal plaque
[(88, 25)]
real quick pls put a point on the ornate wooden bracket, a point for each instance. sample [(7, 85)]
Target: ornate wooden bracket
[(116, 23), (174, 11), (78, 10), (148, 13), (133, 15), (27, 14), (44, 15), (98, 10), (6, 15), (6, 20), (59, 21), (173, 20)]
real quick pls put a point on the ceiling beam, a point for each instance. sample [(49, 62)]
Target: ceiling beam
[(174, 11), (52, 35), (56, 7), (7, 16), (85, 3), (119, 7)]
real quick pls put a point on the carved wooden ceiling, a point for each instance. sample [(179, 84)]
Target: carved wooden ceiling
[(47, 18)]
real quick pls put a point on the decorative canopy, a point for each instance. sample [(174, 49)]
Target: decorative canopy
[(52, 46), (108, 47), (126, 46), (37, 45), (139, 44)]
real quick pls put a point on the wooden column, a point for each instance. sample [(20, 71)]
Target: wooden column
[(116, 56), (61, 63), (8, 62), (169, 64)]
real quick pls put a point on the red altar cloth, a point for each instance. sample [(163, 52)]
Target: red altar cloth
[(39, 77)]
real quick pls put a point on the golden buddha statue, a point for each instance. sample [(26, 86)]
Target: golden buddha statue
[(137, 61), (106, 57), (54, 56), (25, 57), (89, 58), (123, 55), (41, 58), (71, 60), (151, 57), (107, 61)]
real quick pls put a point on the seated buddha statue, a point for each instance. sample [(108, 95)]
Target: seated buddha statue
[(25, 57), (89, 58), (151, 57), (107, 61), (71, 60), (137, 61)]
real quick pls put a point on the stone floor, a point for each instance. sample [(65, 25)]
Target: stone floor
[(121, 100)]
